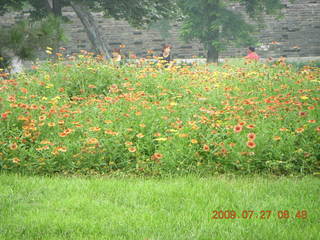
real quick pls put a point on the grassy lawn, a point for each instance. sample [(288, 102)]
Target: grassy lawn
[(177, 208)]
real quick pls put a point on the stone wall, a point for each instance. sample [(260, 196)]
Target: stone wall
[(297, 34)]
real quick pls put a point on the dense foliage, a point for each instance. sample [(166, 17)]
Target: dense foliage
[(26, 38), (217, 25), (86, 116)]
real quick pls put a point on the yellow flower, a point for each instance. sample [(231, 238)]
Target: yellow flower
[(51, 124), (194, 141), (172, 130), (304, 97), (161, 139)]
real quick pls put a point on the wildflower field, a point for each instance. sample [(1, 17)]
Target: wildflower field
[(86, 116)]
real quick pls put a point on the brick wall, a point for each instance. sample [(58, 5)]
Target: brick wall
[(298, 34)]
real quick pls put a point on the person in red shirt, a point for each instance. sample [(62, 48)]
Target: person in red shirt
[(252, 55)]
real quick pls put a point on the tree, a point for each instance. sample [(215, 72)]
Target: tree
[(24, 39), (217, 26), (137, 12)]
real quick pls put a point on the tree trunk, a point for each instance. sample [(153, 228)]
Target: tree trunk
[(56, 8), (213, 37), (91, 27), (16, 65), (212, 54)]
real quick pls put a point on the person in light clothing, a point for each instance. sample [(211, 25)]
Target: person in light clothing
[(252, 55)]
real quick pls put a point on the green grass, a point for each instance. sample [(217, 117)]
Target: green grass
[(171, 208)]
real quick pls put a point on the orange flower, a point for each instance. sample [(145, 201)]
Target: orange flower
[(26, 134), (24, 90), (68, 131), (61, 149), (284, 129), (237, 128), (251, 136), (299, 130), (34, 107), (303, 114), (132, 149), (156, 157), (140, 135), (46, 142), (16, 160), (110, 132), (94, 129), (250, 126), (251, 144), (42, 118), (318, 129), (183, 135), (13, 146), (157, 134), (312, 121), (4, 115), (276, 138), (92, 141), (128, 143), (63, 134), (206, 148), (42, 148), (142, 125), (311, 107), (224, 151)]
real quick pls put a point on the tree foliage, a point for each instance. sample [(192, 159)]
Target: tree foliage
[(26, 38), (217, 26), (138, 13)]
